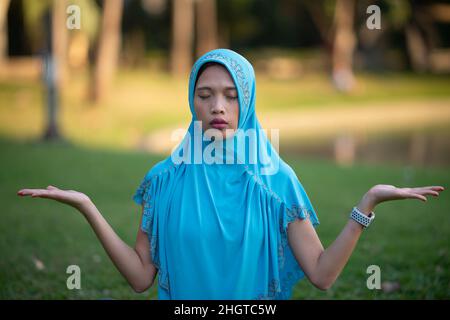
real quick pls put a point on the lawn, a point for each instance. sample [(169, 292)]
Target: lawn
[(409, 240)]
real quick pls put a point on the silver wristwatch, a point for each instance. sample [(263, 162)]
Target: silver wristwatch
[(361, 218)]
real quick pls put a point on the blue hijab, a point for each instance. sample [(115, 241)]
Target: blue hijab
[(219, 230)]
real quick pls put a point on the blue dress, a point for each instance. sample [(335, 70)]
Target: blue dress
[(216, 230)]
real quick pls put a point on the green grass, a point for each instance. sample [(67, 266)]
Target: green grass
[(409, 240)]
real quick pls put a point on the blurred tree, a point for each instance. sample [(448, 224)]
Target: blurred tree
[(108, 49), (81, 41), (422, 36), (59, 41), (154, 7), (322, 13), (157, 16), (343, 45), (206, 18), (44, 21), (4, 5), (182, 36), (335, 20), (19, 41), (50, 75), (34, 12)]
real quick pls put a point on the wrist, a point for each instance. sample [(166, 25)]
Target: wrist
[(361, 218), (86, 207), (367, 203)]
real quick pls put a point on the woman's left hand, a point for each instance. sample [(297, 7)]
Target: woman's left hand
[(386, 192)]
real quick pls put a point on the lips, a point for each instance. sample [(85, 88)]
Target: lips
[(218, 123)]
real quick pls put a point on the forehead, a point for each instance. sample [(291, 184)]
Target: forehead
[(215, 76)]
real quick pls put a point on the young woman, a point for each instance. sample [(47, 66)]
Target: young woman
[(224, 217)]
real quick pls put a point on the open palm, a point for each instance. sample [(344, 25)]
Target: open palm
[(386, 192), (71, 197)]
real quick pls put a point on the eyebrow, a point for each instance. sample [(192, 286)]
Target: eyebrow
[(209, 88)]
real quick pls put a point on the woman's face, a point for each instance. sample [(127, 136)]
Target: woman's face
[(216, 101)]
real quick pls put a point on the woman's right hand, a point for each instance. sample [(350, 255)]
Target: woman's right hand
[(73, 198)]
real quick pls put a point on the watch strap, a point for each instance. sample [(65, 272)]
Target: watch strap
[(362, 218)]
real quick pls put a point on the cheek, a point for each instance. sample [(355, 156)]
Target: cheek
[(236, 114), (199, 109)]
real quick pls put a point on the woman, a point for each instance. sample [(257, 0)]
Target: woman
[(224, 217)]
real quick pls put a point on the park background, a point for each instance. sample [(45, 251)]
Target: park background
[(92, 109)]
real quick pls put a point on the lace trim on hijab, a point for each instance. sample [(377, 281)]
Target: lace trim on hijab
[(237, 68), (143, 197), (281, 288)]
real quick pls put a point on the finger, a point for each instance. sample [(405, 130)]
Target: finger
[(30, 192), (424, 192), (43, 193), (39, 193), (420, 197), (435, 188), (428, 192), (417, 196), (25, 192)]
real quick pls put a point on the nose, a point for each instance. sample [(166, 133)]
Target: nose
[(218, 106)]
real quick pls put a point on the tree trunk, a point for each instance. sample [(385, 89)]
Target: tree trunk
[(182, 36), (4, 5), (59, 41), (50, 78), (206, 18), (343, 45), (108, 49), (417, 48)]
